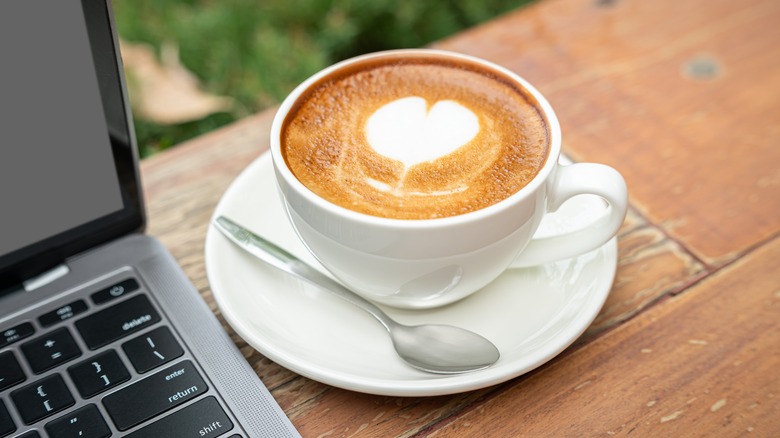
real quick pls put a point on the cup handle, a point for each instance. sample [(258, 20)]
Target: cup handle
[(571, 180)]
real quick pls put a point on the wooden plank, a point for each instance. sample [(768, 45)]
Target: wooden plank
[(669, 94), (340, 413), (650, 266), (702, 364)]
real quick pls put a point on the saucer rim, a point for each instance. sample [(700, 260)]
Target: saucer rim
[(423, 384)]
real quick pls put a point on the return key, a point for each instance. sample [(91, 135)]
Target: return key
[(160, 392)]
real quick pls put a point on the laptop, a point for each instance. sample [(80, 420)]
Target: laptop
[(101, 333)]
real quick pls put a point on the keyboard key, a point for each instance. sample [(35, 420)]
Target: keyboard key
[(63, 313), (10, 371), (85, 422), (30, 434), (50, 350), (98, 373), (113, 292), (152, 349), (6, 422), (157, 393), (42, 398), (204, 418), (17, 333), (117, 321)]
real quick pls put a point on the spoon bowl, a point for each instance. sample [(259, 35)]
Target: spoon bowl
[(443, 349), (434, 348)]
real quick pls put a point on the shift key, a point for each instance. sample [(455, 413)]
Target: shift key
[(157, 393), (117, 321), (205, 418)]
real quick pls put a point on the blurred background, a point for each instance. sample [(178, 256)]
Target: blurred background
[(195, 65)]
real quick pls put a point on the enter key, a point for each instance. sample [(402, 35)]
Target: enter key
[(159, 392)]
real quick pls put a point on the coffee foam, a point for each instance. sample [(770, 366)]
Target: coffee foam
[(415, 139)]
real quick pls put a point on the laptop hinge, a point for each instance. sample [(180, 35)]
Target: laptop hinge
[(46, 278)]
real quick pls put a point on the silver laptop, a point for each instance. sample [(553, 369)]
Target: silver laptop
[(101, 334)]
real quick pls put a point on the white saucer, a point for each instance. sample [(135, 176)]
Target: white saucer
[(531, 314)]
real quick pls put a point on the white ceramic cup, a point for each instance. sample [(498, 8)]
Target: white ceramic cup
[(432, 262)]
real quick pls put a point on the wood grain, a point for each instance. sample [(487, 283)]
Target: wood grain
[(650, 267)]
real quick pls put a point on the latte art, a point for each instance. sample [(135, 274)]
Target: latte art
[(415, 138), (410, 131)]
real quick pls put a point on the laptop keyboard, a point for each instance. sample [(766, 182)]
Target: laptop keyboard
[(104, 363)]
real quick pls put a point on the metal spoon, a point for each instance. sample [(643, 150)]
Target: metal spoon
[(435, 348)]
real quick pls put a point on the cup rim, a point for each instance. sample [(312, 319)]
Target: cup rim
[(292, 181)]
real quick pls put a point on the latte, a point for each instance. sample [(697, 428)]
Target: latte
[(415, 137)]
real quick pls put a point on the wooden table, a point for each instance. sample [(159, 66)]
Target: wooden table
[(684, 98)]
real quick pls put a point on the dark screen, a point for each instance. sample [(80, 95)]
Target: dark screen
[(56, 163)]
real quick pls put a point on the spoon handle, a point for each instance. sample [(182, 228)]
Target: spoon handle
[(283, 260)]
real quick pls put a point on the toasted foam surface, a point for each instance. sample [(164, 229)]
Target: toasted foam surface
[(415, 138)]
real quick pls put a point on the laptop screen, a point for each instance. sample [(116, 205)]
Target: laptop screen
[(67, 169)]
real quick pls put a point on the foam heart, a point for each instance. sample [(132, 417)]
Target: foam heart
[(407, 131)]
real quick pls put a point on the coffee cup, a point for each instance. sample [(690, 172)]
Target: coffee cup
[(416, 177)]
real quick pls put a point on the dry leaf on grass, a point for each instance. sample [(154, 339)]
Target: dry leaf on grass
[(165, 92)]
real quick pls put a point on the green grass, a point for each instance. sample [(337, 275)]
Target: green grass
[(257, 51)]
